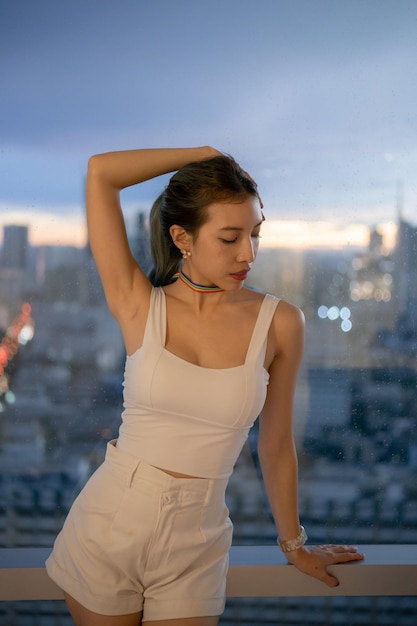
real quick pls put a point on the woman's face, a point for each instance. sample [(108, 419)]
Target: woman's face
[(226, 245)]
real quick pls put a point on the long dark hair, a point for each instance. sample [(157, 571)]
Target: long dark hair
[(184, 202)]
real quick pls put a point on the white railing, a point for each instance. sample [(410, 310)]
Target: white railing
[(255, 571)]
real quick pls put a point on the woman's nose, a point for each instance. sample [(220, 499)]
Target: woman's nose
[(247, 252)]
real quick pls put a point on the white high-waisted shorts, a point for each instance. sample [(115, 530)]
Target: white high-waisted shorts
[(138, 539)]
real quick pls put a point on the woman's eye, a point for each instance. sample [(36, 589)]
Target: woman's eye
[(230, 240), (256, 235)]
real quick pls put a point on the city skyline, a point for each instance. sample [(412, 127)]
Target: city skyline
[(299, 234)]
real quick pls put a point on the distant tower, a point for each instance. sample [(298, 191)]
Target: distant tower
[(405, 259), (140, 243), (375, 243), (400, 199), (15, 251)]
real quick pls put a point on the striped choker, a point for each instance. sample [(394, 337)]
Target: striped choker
[(195, 286)]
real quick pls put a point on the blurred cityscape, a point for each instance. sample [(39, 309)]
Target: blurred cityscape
[(61, 366)]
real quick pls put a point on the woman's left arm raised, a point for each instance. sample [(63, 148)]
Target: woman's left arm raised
[(277, 452)]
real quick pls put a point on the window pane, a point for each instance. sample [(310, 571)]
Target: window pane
[(317, 100)]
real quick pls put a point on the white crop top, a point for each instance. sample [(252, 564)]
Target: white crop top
[(186, 418)]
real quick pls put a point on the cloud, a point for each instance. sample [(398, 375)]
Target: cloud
[(308, 96)]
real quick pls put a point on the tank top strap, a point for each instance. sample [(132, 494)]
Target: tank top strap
[(155, 331), (263, 322)]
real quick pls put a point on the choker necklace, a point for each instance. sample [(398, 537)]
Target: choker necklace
[(196, 286)]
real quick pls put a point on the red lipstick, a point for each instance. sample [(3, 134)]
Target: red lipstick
[(240, 275)]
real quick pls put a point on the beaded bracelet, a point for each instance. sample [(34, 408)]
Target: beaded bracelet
[(293, 544)]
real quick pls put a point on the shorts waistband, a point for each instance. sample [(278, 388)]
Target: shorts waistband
[(132, 467)]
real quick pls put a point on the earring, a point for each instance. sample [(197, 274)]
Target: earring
[(185, 254)]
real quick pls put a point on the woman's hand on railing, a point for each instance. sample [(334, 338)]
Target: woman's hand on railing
[(314, 560)]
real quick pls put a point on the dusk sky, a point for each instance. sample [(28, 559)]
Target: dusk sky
[(316, 98)]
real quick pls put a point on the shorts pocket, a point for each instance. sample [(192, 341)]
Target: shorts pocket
[(216, 525), (101, 494)]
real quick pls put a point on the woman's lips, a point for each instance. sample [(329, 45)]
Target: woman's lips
[(240, 275)]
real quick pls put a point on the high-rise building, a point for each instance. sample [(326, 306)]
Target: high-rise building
[(15, 247), (406, 273), (140, 242), (398, 346)]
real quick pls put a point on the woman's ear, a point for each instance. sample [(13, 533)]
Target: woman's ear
[(180, 237)]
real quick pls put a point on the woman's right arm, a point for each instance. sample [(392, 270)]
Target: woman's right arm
[(125, 284)]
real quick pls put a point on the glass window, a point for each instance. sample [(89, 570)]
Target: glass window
[(317, 100)]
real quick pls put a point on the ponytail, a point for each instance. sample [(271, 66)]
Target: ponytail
[(166, 257)]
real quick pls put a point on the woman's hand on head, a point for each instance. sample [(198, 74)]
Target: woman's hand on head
[(314, 560), (212, 152)]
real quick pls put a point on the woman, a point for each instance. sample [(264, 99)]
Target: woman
[(147, 540)]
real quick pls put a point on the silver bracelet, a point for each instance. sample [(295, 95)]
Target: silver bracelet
[(293, 544)]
